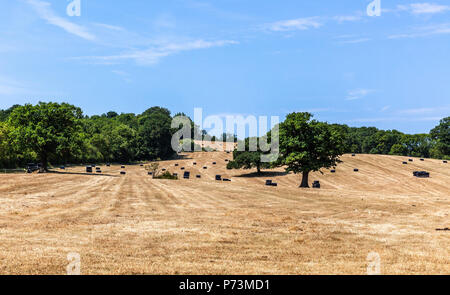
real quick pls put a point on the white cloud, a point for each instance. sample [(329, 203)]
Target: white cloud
[(423, 8), (154, 54), (358, 93), (422, 111), (45, 12), (355, 41), (347, 18), (11, 87), (299, 24), (424, 31)]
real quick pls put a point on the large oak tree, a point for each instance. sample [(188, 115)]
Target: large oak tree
[(307, 145)]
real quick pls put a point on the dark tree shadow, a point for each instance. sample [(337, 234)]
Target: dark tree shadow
[(82, 173), (264, 174)]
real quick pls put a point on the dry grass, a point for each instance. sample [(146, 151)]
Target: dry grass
[(133, 225)]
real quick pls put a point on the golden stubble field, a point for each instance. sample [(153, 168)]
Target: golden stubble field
[(133, 224)]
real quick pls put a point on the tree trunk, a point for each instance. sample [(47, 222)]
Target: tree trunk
[(258, 168), (44, 167), (305, 179)]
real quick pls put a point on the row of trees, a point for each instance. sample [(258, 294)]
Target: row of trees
[(60, 133), (307, 145)]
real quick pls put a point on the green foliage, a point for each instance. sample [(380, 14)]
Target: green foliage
[(307, 145), (441, 134), (248, 159), (166, 175), (48, 129)]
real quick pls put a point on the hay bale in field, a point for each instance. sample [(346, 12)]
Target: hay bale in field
[(410, 160), (150, 173), (99, 171), (182, 168), (269, 182), (88, 169), (187, 175), (205, 167), (122, 173), (227, 180), (175, 174), (421, 174), (199, 176), (108, 164), (163, 169), (122, 167), (405, 163), (218, 177), (356, 170), (142, 165), (195, 163), (445, 162), (176, 165), (62, 168), (226, 160), (274, 184), (316, 184), (333, 171), (422, 160), (353, 155), (214, 163), (93, 165)]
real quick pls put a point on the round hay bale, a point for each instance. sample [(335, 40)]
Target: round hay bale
[(356, 170), (122, 173)]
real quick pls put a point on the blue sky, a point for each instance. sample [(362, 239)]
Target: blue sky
[(233, 57)]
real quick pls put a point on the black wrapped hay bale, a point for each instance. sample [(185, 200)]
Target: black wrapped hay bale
[(122, 167), (199, 176), (205, 167), (269, 182), (356, 170), (405, 163), (445, 162), (316, 184), (333, 171), (218, 177), (122, 173), (150, 173), (227, 180), (88, 169), (187, 175)]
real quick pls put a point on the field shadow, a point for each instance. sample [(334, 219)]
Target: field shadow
[(81, 173), (263, 174)]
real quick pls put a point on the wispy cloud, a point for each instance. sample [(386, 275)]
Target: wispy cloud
[(358, 93), (424, 111), (11, 87), (299, 24), (45, 12), (424, 31), (355, 41), (423, 8), (154, 54), (347, 18)]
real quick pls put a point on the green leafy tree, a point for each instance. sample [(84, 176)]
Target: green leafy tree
[(248, 159), (48, 129), (441, 134), (307, 145)]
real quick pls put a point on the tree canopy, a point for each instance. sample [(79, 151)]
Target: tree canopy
[(307, 145)]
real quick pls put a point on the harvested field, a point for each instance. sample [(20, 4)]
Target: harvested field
[(133, 224)]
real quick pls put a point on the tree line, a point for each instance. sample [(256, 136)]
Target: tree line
[(59, 133)]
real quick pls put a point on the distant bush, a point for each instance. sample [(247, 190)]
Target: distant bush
[(166, 175)]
